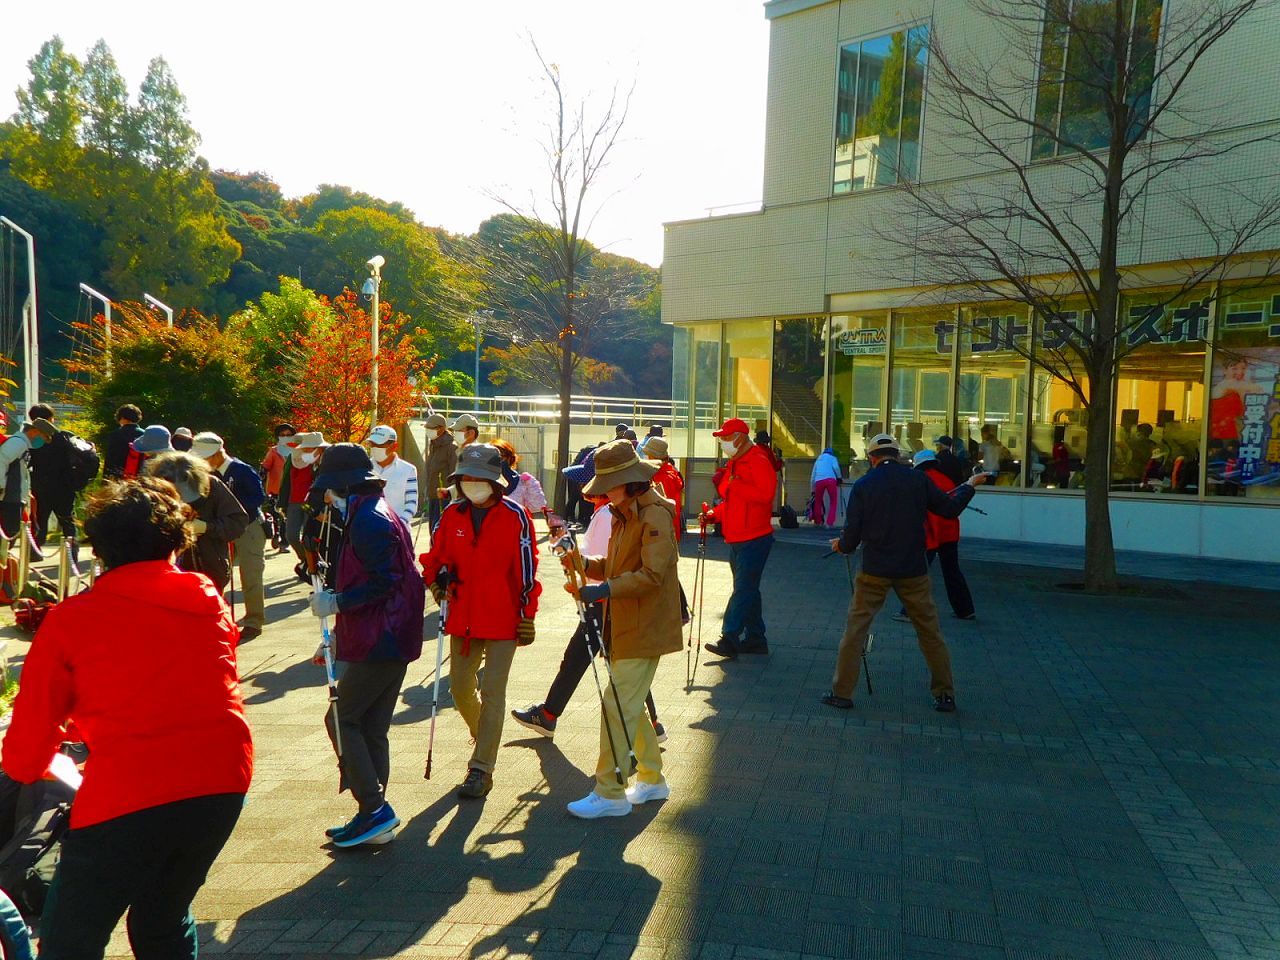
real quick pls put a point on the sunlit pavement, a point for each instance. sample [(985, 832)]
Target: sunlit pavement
[(1108, 788)]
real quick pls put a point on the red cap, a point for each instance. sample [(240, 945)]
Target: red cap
[(732, 425)]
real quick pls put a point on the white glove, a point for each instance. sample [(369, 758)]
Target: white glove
[(324, 603), (199, 526)]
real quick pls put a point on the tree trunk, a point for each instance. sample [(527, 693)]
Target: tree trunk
[(562, 439), (1099, 547)]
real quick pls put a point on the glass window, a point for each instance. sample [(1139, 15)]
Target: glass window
[(859, 348), (747, 370), (1077, 58), (920, 381), (879, 103), (1059, 429), (991, 396), (1243, 455), (799, 361), (681, 400), (705, 357), (1160, 397)]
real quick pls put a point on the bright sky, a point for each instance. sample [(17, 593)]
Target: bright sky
[(435, 102)]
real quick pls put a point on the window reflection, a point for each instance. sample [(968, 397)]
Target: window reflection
[(748, 352), (991, 396), (799, 352), (920, 381), (859, 350), (705, 356)]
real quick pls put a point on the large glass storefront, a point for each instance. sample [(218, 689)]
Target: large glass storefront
[(1196, 405)]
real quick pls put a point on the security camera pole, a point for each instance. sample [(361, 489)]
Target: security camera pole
[(370, 289), (164, 307)]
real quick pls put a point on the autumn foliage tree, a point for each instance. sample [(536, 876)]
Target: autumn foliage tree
[(331, 367)]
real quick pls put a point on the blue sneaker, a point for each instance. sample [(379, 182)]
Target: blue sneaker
[(367, 827)]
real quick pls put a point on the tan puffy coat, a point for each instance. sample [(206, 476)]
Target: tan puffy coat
[(642, 614)]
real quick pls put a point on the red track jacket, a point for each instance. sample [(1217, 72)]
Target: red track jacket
[(145, 663), (493, 576), (939, 529), (747, 488)]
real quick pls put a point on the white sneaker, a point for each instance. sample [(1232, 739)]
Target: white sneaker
[(644, 792), (593, 806)]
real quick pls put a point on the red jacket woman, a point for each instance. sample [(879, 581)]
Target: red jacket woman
[(145, 663)]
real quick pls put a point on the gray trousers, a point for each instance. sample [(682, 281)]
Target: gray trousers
[(295, 518), (367, 695), (251, 560)]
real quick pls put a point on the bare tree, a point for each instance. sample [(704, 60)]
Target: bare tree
[(546, 287), (1084, 113)]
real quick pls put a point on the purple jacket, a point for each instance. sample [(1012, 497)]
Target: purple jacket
[(380, 595)]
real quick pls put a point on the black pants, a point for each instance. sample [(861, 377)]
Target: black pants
[(958, 595), (367, 695), (953, 577), (11, 518), (59, 503), (574, 663), (150, 863)]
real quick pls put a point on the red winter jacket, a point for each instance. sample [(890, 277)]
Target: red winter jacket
[(493, 576), (145, 663), (671, 484), (747, 489), (939, 529)]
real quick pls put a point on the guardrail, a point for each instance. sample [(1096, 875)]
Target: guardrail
[(583, 410)]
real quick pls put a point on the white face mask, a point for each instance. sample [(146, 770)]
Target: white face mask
[(477, 491), (337, 501), (382, 456), (283, 448), (729, 447), (308, 458)]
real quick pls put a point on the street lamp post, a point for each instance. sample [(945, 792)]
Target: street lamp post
[(165, 308), (106, 316), (30, 326), (371, 289)]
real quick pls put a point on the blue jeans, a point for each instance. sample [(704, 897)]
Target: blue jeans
[(744, 613)]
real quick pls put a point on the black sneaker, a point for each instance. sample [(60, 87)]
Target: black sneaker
[(840, 703), (724, 647), (477, 784), (249, 633), (535, 718), (967, 616), (945, 703)]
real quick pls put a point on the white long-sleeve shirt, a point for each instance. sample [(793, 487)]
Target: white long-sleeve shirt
[(826, 467), (401, 490)]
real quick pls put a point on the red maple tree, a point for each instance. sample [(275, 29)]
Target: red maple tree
[(333, 367)]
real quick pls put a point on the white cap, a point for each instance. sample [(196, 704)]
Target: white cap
[(307, 441), (381, 435), (206, 444)]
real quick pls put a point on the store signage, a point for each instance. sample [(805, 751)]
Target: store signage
[(869, 342)]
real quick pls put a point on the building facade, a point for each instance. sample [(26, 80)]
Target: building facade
[(797, 319)]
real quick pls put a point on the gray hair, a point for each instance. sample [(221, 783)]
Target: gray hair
[(187, 472)]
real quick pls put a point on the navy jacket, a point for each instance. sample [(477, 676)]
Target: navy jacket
[(242, 480), (381, 597), (117, 454), (886, 514)]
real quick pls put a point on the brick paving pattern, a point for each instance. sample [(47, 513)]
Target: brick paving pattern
[(1106, 790)]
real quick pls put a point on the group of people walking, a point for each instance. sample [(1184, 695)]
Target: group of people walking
[(164, 522)]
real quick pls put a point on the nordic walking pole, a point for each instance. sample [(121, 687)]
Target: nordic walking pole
[(699, 591), (231, 556), (570, 566), (867, 647), (317, 584), (435, 691), (64, 570)]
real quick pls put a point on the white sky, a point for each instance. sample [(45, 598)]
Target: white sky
[(432, 103)]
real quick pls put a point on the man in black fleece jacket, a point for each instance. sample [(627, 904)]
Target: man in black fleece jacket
[(886, 515)]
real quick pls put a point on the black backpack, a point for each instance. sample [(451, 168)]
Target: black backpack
[(82, 461), (787, 518)]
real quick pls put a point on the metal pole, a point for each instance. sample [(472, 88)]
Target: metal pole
[(31, 328), (168, 310), (106, 313), (373, 380)]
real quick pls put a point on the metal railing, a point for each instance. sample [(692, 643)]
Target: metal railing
[(583, 410)]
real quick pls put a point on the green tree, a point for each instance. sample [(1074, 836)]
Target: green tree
[(167, 142), (256, 187), (277, 321), (45, 146), (330, 198), (108, 121)]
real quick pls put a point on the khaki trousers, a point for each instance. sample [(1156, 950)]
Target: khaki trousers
[(486, 709), (633, 678), (917, 599), (251, 561)]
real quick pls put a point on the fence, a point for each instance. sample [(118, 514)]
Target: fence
[(584, 410)]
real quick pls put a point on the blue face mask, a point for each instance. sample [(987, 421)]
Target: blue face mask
[(37, 442)]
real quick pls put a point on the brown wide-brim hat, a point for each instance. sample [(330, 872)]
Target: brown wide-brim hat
[(617, 463)]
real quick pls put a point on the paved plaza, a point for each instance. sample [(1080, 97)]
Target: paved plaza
[(1108, 789)]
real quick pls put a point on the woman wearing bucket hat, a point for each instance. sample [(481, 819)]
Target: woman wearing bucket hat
[(378, 604), (482, 568), (667, 479), (641, 595)]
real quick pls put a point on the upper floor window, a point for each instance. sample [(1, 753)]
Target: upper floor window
[(1089, 46), (879, 104)]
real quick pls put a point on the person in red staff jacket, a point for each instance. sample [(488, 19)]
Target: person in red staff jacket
[(747, 489), (484, 546), (667, 479), (942, 540), (145, 664)]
